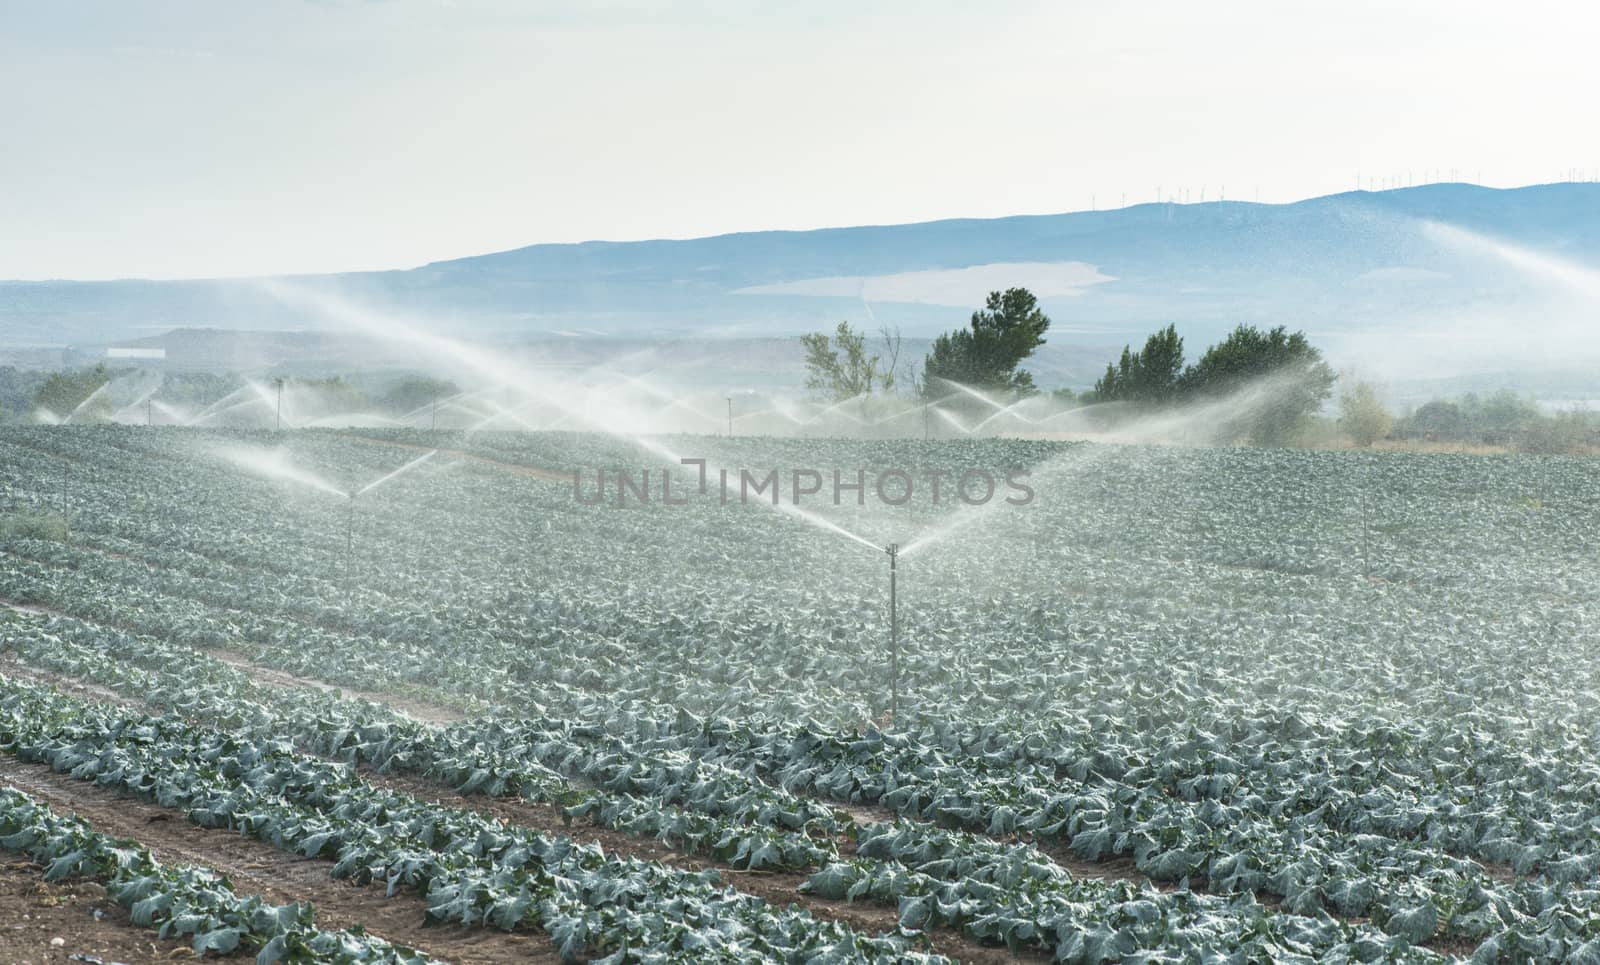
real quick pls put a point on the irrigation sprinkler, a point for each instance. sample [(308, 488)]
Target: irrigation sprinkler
[(730, 417), (149, 412), (893, 549)]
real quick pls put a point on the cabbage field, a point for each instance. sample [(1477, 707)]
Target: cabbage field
[(1231, 705)]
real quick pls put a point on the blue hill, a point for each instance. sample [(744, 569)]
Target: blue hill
[(1345, 261)]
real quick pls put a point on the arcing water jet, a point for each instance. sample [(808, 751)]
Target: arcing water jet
[(395, 474), (273, 464)]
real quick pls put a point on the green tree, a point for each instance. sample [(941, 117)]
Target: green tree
[(315, 398), (1149, 375), (412, 392), (1499, 419), (840, 368), (1438, 420), (987, 352), (1362, 416), (1279, 380), (197, 389), (1555, 434), (1115, 385), (63, 392)]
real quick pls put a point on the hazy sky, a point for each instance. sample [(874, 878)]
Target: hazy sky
[(181, 139)]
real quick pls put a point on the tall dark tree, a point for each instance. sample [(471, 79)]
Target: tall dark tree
[(987, 352), (1160, 365), (62, 392), (1149, 375), (1286, 379)]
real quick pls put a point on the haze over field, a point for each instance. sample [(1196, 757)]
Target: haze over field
[(1019, 481), (1427, 281), (338, 146)]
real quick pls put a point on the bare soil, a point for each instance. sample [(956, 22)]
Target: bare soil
[(258, 868), (31, 609), (34, 914), (781, 889)]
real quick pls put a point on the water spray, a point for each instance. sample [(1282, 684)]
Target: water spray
[(395, 473), (969, 390), (497, 369)]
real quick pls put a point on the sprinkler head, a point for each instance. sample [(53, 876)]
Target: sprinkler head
[(893, 549)]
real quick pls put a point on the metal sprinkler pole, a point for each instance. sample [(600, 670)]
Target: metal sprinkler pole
[(149, 412), (349, 540), (730, 417), (893, 549), (1366, 522)]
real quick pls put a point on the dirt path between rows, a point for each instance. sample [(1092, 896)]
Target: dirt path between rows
[(94, 693), (781, 889), (30, 609), (258, 868), (549, 475), (1109, 869), (418, 710), (777, 888), (415, 709)]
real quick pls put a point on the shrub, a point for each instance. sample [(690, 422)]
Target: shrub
[(1553, 435)]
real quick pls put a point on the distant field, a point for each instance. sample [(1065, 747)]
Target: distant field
[(1286, 704)]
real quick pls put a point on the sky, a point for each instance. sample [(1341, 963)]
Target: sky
[(254, 137)]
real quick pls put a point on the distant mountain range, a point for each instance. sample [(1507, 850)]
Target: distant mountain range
[(1434, 272)]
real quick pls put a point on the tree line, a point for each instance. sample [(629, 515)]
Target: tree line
[(1270, 385), (986, 354), (1276, 378), (1286, 373)]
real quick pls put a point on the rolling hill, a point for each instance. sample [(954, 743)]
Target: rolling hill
[(1412, 267)]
